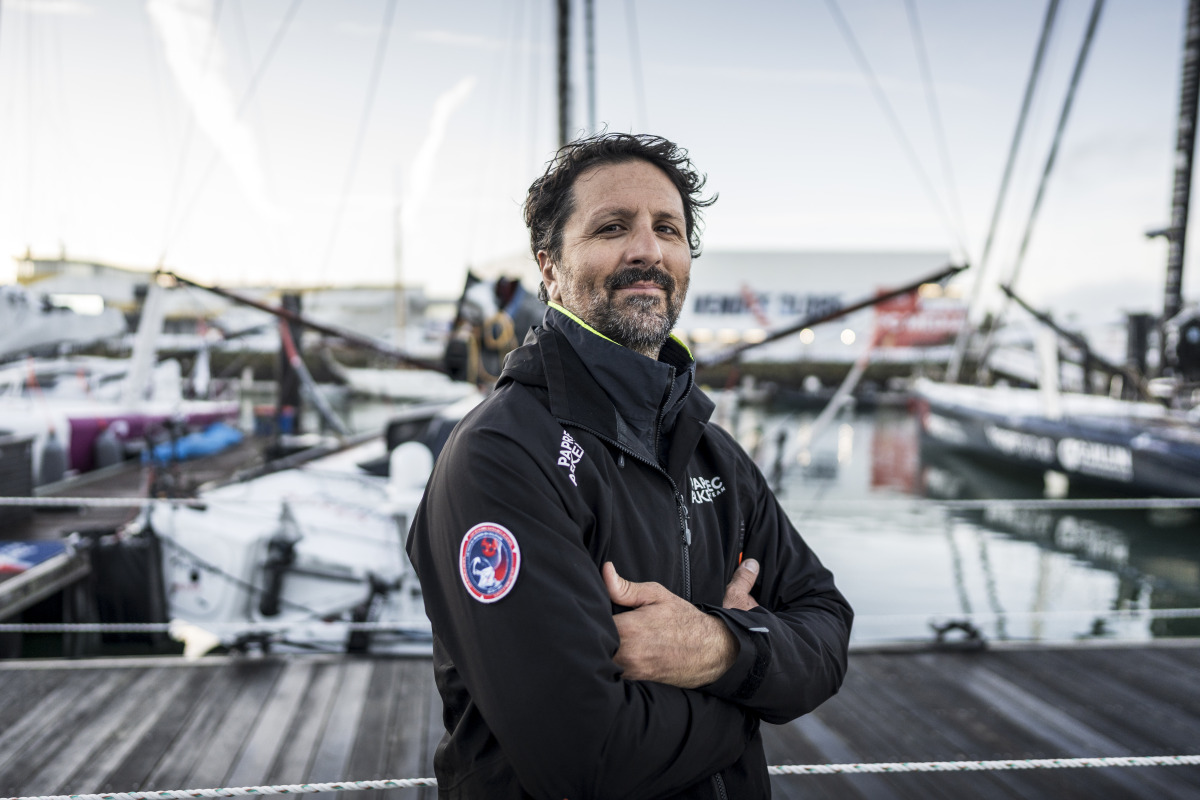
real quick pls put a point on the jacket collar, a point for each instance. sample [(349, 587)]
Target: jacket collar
[(592, 381)]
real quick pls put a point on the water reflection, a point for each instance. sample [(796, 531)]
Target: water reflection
[(920, 537)]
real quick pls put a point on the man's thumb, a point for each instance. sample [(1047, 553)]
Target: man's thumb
[(620, 591), (745, 576)]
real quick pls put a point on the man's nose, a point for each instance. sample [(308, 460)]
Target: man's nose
[(644, 247)]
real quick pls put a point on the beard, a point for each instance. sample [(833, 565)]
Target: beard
[(641, 323)]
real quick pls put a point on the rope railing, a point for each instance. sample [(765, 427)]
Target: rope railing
[(214, 627), (343, 625), (1065, 504), (1119, 613), (781, 770)]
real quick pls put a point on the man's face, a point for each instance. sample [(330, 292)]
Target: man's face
[(626, 259)]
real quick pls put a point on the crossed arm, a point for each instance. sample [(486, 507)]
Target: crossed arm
[(666, 639)]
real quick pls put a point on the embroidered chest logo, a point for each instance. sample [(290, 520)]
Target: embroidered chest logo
[(488, 561), (569, 454), (705, 489)]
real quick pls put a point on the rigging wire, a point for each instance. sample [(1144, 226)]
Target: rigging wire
[(373, 85), (964, 333), (635, 59), (881, 97), (935, 115), (29, 126), (535, 72), (1064, 115), (273, 242), (483, 217), (242, 106), (188, 132), (589, 33)]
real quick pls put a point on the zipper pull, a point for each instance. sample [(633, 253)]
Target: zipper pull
[(687, 529)]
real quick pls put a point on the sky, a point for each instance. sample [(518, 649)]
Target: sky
[(361, 142)]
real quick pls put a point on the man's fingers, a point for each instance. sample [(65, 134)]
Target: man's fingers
[(737, 593), (627, 593)]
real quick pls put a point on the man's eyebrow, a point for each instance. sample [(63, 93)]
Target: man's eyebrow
[(623, 211)]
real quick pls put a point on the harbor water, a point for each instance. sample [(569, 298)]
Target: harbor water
[(917, 539)]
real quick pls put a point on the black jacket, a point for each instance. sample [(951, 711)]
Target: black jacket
[(563, 456)]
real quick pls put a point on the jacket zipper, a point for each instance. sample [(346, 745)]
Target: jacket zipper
[(687, 546), (685, 531), (719, 785)]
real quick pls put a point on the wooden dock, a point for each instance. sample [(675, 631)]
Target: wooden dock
[(165, 723)]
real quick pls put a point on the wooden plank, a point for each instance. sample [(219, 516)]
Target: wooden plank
[(410, 750), (373, 740), (255, 680), (190, 762), (333, 750), (20, 691), (286, 701), (936, 722), (852, 716), (1103, 691), (1168, 675), (939, 685), (128, 725), (299, 744), (39, 719), (27, 759), (97, 747), (808, 740), (41, 581), (134, 771), (435, 729), (1066, 735)]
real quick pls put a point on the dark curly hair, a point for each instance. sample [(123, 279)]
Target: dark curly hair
[(551, 198)]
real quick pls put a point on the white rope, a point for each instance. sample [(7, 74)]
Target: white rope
[(1117, 614), (245, 791), (224, 627), (83, 502), (345, 625), (1098, 504), (786, 769), (143, 502), (979, 766)]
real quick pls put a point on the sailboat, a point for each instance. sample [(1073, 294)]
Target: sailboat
[(1127, 442), (87, 413), (34, 325)]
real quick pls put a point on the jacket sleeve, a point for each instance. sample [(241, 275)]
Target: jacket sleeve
[(538, 663), (793, 646)]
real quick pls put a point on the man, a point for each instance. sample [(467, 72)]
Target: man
[(617, 599)]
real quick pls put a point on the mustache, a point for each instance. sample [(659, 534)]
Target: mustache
[(631, 275)]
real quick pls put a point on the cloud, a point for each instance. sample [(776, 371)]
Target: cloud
[(65, 8), (424, 161), (197, 62), (455, 39), (827, 78), (361, 30)]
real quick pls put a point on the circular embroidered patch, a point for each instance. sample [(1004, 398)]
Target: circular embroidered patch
[(488, 561)]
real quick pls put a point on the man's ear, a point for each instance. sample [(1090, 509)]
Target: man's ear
[(549, 272)]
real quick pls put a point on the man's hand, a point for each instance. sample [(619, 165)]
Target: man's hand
[(668, 640)]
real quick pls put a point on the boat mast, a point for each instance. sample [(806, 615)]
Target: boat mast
[(1185, 146), (564, 70), (589, 35)]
